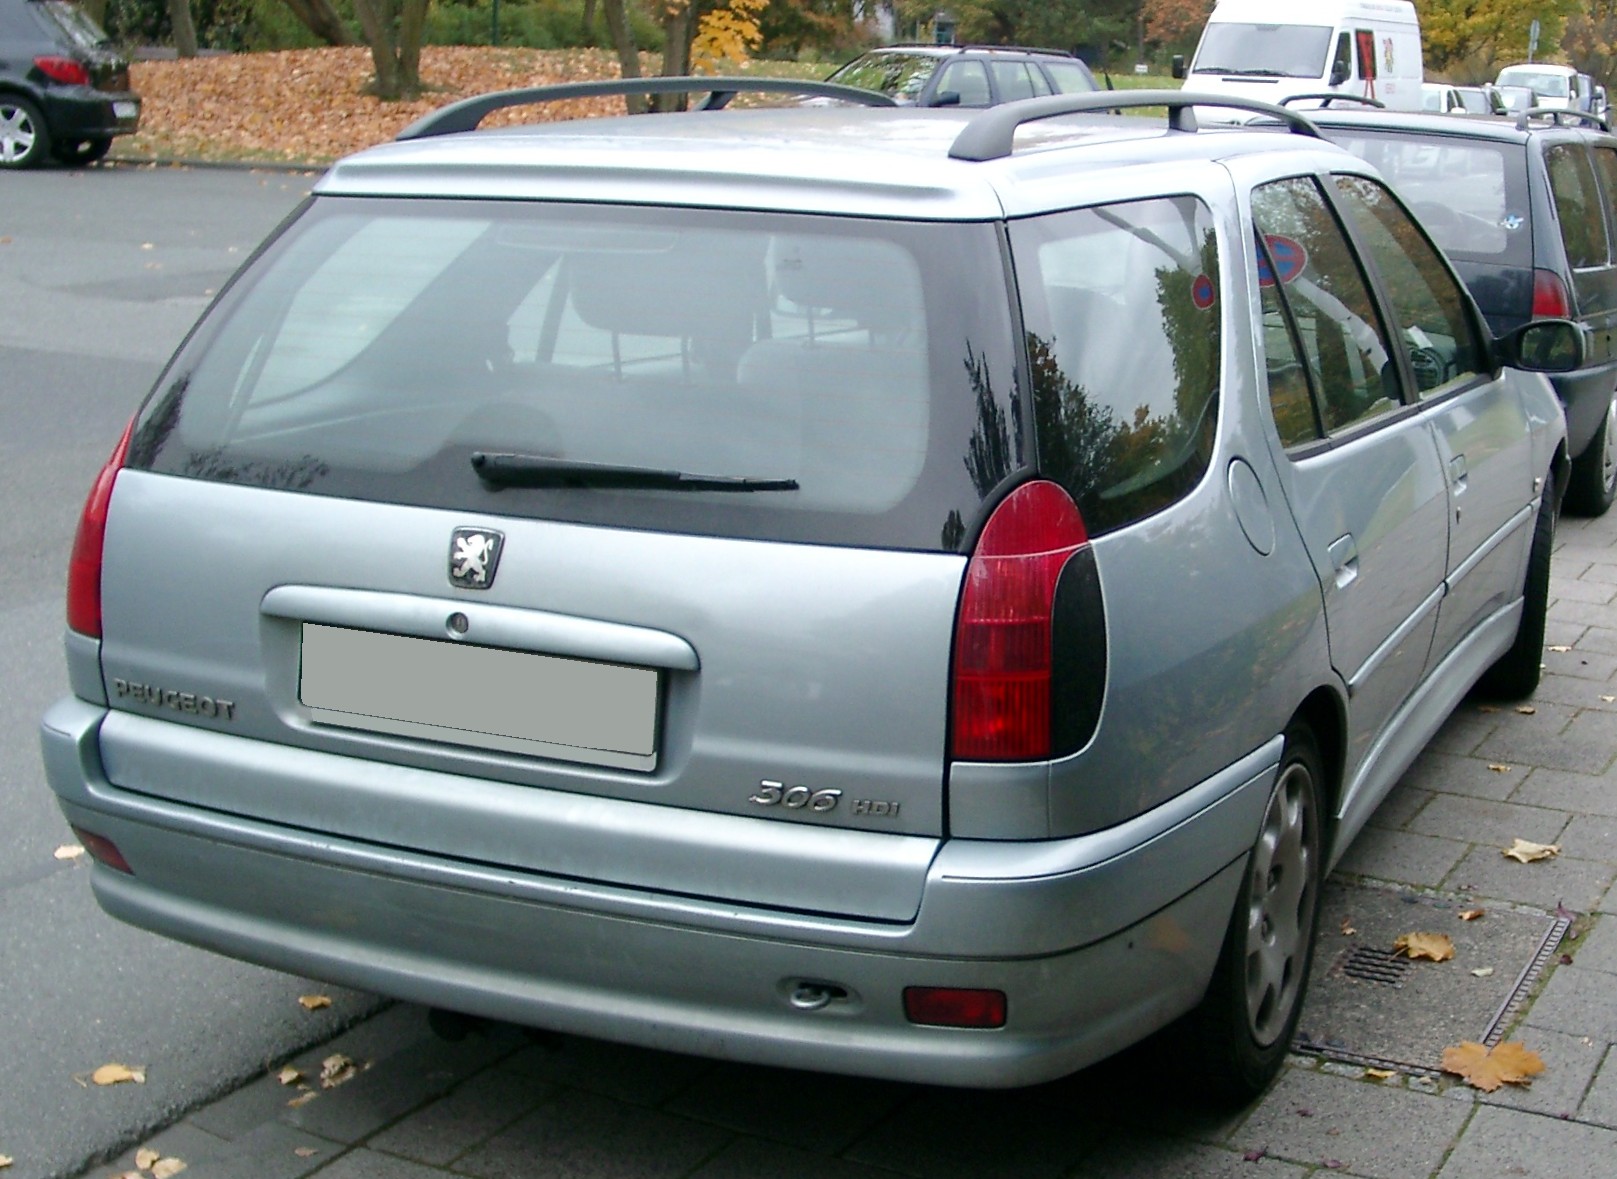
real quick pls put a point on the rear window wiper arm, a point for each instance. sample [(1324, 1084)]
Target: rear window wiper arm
[(535, 470)]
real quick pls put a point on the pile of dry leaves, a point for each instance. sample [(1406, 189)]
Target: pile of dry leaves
[(310, 105)]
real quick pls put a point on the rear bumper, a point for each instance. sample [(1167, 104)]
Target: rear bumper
[(1096, 941), (1585, 395), (78, 112)]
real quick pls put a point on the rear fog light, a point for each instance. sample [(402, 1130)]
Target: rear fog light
[(955, 1007), (104, 850)]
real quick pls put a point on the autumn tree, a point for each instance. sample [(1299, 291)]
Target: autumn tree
[(1467, 40), (1059, 24), (698, 35), (393, 29), (1174, 23), (321, 19), (1590, 40)]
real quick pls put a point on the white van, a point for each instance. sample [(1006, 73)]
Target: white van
[(1272, 49), (1553, 85)]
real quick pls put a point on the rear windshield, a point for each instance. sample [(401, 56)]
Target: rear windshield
[(898, 75), (1470, 194), (1550, 83), (1282, 51), (818, 379)]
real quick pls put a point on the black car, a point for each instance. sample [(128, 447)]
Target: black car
[(965, 75), (64, 89), (1527, 211)]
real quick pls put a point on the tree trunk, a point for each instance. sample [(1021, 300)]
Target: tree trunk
[(185, 29), (679, 26), (376, 19), (412, 28), (587, 23), (321, 19), (617, 20)]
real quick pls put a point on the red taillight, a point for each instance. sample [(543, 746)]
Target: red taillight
[(104, 850), (1550, 298), (955, 1007), (84, 568), (64, 70), (1002, 637)]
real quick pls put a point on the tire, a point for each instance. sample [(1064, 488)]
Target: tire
[(24, 140), (78, 152), (1244, 1027), (1515, 674), (1593, 485)]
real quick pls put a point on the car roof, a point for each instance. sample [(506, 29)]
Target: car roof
[(1501, 128), (930, 50), (865, 161)]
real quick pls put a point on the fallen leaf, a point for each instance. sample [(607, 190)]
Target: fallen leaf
[(1472, 914), (167, 1167), (1381, 1074), (1526, 709), (1483, 971), (145, 1157), (303, 1099), (68, 851), (1253, 1156), (314, 1002), (337, 1069), (1560, 649), (1525, 851), (1348, 928), (115, 1074), (1610, 699), (305, 1152), (1508, 1064), (289, 1075), (1439, 947), (1499, 769), (5, 1159), (147, 246), (1486, 708)]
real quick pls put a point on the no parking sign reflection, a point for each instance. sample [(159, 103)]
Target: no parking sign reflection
[(1289, 259)]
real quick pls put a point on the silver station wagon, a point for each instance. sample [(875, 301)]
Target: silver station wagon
[(925, 594)]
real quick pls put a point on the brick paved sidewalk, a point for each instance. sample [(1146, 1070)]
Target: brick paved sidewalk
[(501, 1104)]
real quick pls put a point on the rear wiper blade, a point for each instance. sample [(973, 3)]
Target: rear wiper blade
[(535, 470)]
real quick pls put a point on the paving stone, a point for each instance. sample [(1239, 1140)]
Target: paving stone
[(642, 1076), (271, 1151), (1584, 694), (752, 1159), (1314, 1119), (944, 1134), (1449, 773), (367, 1164), (1580, 589), (1579, 1002), (188, 1143), (1590, 837), (1600, 1105), (1142, 1155), (246, 1109), (1530, 1146), (1564, 634), (1402, 803), (1600, 639), (1588, 794), (1477, 820), (1570, 1063), (1563, 881), (475, 1111), (1525, 746), (1597, 949), (582, 1135), (1467, 727), (1587, 613), (1402, 857), (1600, 572), (790, 1107)]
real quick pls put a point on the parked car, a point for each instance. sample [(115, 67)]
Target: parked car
[(1527, 211), (64, 89), (965, 75), (1517, 99), (937, 613), (1555, 85), (1441, 98)]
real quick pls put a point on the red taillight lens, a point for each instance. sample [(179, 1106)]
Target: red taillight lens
[(104, 850), (84, 568), (1002, 637), (955, 1007), (1550, 297), (64, 70)]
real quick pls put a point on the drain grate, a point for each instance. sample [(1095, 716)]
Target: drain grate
[(1369, 1005), (1375, 966)]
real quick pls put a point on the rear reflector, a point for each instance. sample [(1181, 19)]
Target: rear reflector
[(1550, 297), (84, 567), (64, 70), (1002, 651), (104, 850), (954, 1007)]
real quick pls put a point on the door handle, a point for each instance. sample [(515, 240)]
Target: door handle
[(1344, 554), (1458, 472)]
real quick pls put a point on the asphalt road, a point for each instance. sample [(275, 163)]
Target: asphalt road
[(102, 271)]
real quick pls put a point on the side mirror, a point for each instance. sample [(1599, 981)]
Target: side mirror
[(1177, 65), (1543, 346), (1339, 73)]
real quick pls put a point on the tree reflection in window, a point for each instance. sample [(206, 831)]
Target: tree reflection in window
[(1123, 342)]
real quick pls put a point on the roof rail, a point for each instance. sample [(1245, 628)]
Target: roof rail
[(466, 114), (973, 45), (1326, 97), (1556, 113), (992, 134)]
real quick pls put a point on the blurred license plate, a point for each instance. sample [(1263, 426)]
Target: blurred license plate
[(125, 110), (507, 701)]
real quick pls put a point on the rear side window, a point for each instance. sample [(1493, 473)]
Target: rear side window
[(968, 79), (1070, 77), (1017, 79), (379, 345), (1577, 205), (1122, 314)]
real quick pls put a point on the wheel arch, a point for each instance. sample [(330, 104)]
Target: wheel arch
[(1323, 712)]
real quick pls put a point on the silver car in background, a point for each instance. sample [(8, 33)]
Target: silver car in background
[(926, 594)]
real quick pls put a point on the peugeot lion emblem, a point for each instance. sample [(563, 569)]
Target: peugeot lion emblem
[(474, 556)]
